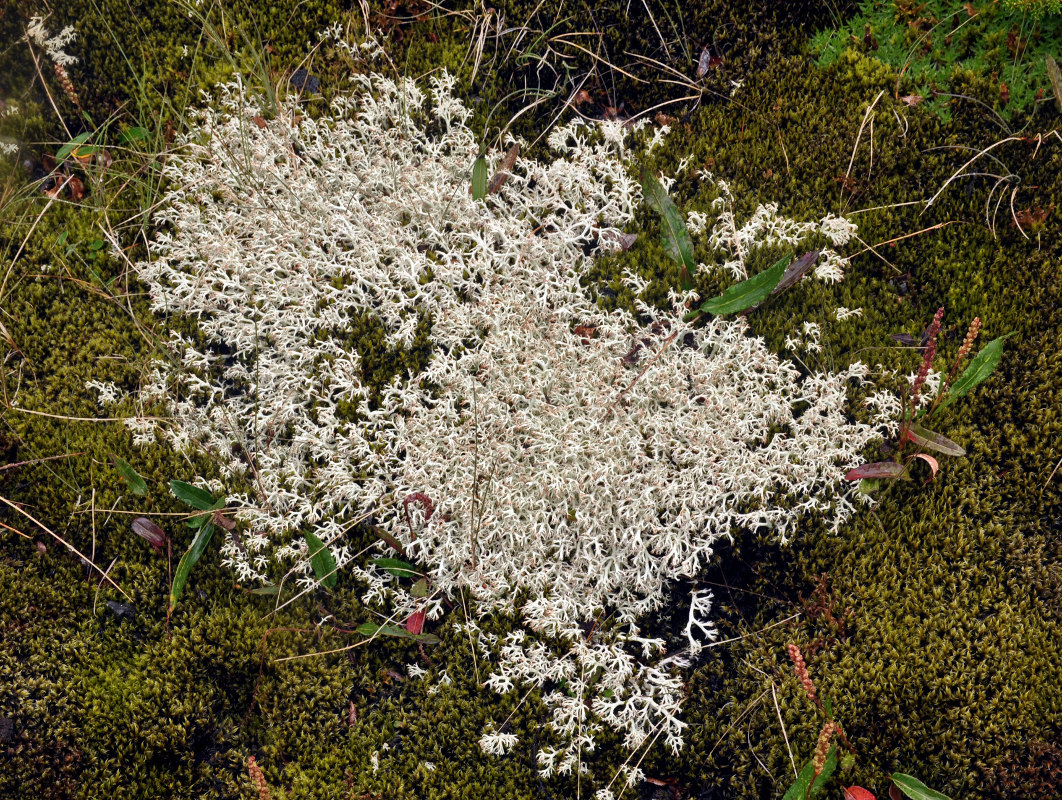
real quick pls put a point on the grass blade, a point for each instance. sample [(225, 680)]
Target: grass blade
[(676, 238)]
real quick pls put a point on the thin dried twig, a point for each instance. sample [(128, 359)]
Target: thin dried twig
[(65, 543)]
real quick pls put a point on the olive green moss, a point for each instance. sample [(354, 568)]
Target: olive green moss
[(939, 651)]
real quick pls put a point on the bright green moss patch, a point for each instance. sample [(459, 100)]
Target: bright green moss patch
[(931, 46)]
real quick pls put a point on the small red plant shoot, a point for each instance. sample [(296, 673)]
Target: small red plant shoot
[(912, 430)]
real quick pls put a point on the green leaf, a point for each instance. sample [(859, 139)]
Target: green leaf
[(675, 237), (398, 568), (372, 629), (978, 371), (748, 293), (74, 144), (131, 135), (324, 566), (197, 521), (137, 485), (915, 789), (420, 588), (180, 577), (869, 485), (193, 495), (479, 178), (923, 437), (799, 789), (271, 589)]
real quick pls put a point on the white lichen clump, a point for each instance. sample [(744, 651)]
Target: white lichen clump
[(577, 459)]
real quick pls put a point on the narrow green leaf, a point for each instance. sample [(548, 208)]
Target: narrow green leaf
[(479, 178), (978, 370), (372, 629), (799, 790), (137, 485), (676, 238), (827, 771), (180, 577), (748, 293), (923, 437), (136, 134), (71, 146), (398, 568), (271, 589), (915, 789), (198, 521), (324, 566), (192, 495)]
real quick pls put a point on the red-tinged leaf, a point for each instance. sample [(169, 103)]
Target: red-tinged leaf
[(415, 623), (923, 437), (933, 464), (858, 793), (904, 338), (895, 793), (146, 529), (502, 174), (624, 241), (879, 469), (795, 271)]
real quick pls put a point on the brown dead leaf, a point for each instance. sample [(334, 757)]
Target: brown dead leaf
[(1004, 93), (1032, 217), (259, 121), (585, 332), (77, 189), (912, 99), (499, 177)]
